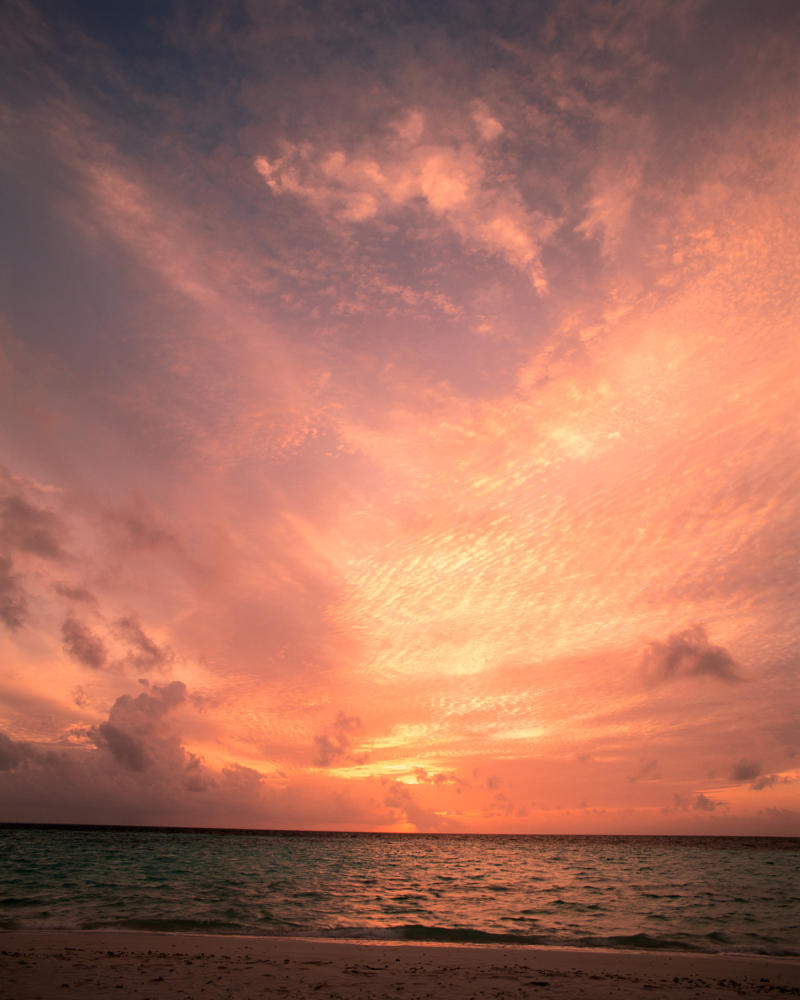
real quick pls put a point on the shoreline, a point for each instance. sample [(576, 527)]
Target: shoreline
[(147, 964), (394, 942)]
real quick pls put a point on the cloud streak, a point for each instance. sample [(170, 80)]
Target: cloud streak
[(83, 645)]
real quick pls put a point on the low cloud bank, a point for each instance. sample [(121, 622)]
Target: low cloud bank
[(134, 769)]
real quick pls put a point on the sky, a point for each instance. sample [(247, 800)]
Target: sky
[(399, 415)]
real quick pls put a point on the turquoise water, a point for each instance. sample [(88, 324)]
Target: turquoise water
[(726, 894)]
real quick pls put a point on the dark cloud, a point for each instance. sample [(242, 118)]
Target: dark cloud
[(127, 750), (768, 780), (31, 529), (12, 753), (80, 696), (17, 753), (399, 796), (501, 805), (687, 654), (704, 804), (81, 786), (24, 528), (138, 739), (80, 594), (241, 778), (439, 779), (145, 654), (143, 525), (764, 781), (132, 734), (745, 770), (328, 751), (647, 770), (141, 773), (13, 603), (83, 645), (790, 817), (196, 780), (147, 707)]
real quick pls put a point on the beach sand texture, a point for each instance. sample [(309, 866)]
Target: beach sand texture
[(45, 964)]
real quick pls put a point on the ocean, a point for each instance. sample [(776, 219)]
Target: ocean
[(709, 894)]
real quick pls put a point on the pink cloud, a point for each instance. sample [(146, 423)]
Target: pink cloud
[(453, 182)]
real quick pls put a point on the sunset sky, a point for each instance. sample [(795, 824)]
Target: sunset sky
[(399, 415)]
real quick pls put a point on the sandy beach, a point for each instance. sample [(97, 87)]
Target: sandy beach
[(44, 964)]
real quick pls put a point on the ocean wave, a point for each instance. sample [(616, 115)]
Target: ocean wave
[(414, 933), (580, 893)]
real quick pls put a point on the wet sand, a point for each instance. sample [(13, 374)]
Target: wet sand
[(68, 964)]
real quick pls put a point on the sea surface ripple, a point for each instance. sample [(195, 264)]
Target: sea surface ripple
[(731, 894)]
